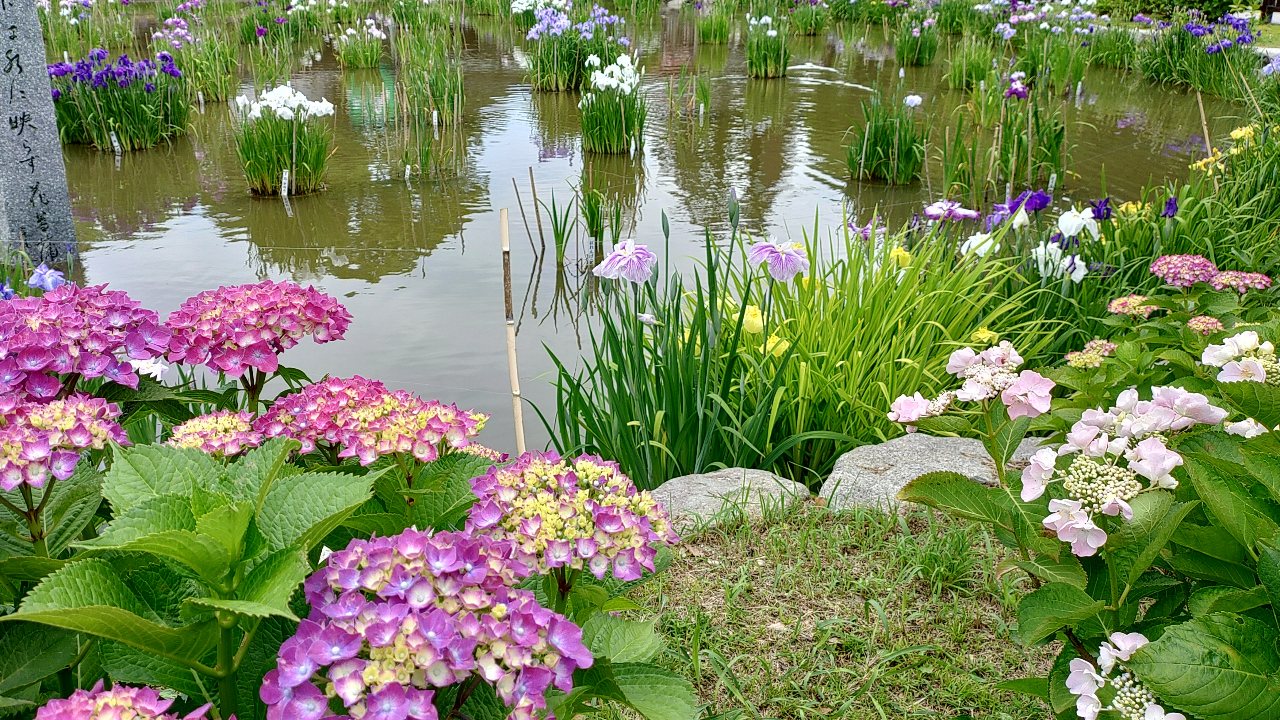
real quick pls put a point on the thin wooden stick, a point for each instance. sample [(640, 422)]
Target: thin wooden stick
[(525, 218), (517, 408), (537, 210), (1208, 141)]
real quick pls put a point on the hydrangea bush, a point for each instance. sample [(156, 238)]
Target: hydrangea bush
[(1145, 521)]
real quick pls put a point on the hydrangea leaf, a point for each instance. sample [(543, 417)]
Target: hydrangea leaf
[(203, 555), (655, 693), (29, 653), (1131, 549), (1219, 598), (300, 510), (227, 525), (959, 495), (252, 477), (273, 581), (1237, 501), (1066, 569), (145, 471), (1006, 440), (74, 504), (88, 596), (152, 515), (1222, 666), (131, 665), (1052, 607), (28, 568), (1259, 401), (1269, 574), (619, 640)]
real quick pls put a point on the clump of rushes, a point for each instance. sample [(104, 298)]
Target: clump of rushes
[(970, 63), (809, 17), (562, 44), (890, 146), (613, 112), (767, 49), (209, 60), (916, 41), (106, 102), (431, 78), (714, 21), (75, 26), (415, 14), (360, 47), (283, 130)]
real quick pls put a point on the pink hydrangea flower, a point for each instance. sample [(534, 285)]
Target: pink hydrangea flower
[(1029, 396), (1204, 324), (1073, 525), (234, 329), (74, 332), (395, 618), (1037, 474), (908, 409), (1241, 282), (1183, 271), (785, 260), (224, 433), (1131, 305), (42, 439), (361, 418), (579, 514), (629, 261), (118, 703)]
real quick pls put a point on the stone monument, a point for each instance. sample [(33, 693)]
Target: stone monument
[(35, 209)]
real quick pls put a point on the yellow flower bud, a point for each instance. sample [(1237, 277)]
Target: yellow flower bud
[(900, 256)]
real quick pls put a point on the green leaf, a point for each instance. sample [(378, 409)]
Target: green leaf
[(958, 495), (300, 510), (1195, 564), (1248, 515), (1259, 401), (73, 506), (1033, 686), (28, 568), (151, 515), (204, 556), (1006, 439), (273, 581), (1066, 569), (88, 596), (252, 477), (1052, 607), (1131, 549), (9, 705), (244, 608), (1221, 666), (131, 665), (29, 653), (945, 425), (1060, 699), (145, 471), (226, 525), (655, 693), (1220, 598), (1269, 574), (1212, 541), (619, 640)]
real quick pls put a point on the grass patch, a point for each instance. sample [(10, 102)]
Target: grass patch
[(806, 613)]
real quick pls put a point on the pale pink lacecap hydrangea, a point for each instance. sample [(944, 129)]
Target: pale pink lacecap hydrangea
[(1183, 271), (234, 329), (1244, 357), (1131, 700), (225, 433), (580, 513), (71, 331), (1131, 305), (992, 373), (1204, 324), (1112, 453), (121, 702), (42, 439), (365, 420), (393, 619)]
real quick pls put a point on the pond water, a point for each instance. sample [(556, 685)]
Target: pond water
[(418, 262)]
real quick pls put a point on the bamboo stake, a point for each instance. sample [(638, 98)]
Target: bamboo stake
[(517, 409), (1208, 141), (537, 210)]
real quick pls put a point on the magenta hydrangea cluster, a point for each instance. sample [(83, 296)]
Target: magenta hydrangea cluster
[(1241, 282), (233, 329), (365, 420), (87, 332), (42, 439), (121, 702), (225, 433), (581, 513), (1183, 271), (394, 618)]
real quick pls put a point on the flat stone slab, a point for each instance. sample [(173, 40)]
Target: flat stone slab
[(872, 475), (694, 498)]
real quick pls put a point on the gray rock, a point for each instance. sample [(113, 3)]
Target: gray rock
[(35, 208), (691, 498), (872, 475)]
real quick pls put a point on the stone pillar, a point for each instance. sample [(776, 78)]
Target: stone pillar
[(35, 208)]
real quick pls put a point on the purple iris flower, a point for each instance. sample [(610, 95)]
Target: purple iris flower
[(1170, 208), (46, 278), (785, 260), (629, 261), (1101, 209)]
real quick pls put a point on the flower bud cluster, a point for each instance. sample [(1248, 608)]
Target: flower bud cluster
[(365, 420), (1131, 305), (1092, 355), (121, 702), (580, 513), (42, 439), (1131, 700), (392, 619), (224, 433)]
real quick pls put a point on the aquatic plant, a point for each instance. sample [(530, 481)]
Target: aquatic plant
[(970, 63), (714, 21), (808, 17), (360, 46), (119, 103), (74, 27), (613, 111), (767, 49), (890, 146), (916, 41), (283, 141)]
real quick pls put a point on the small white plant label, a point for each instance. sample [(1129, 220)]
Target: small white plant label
[(284, 183)]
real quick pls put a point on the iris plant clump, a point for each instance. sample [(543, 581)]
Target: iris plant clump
[(891, 145), (614, 111), (360, 46), (283, 131), (564, 37), (119, 103), (767, 50), (916, 41)]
